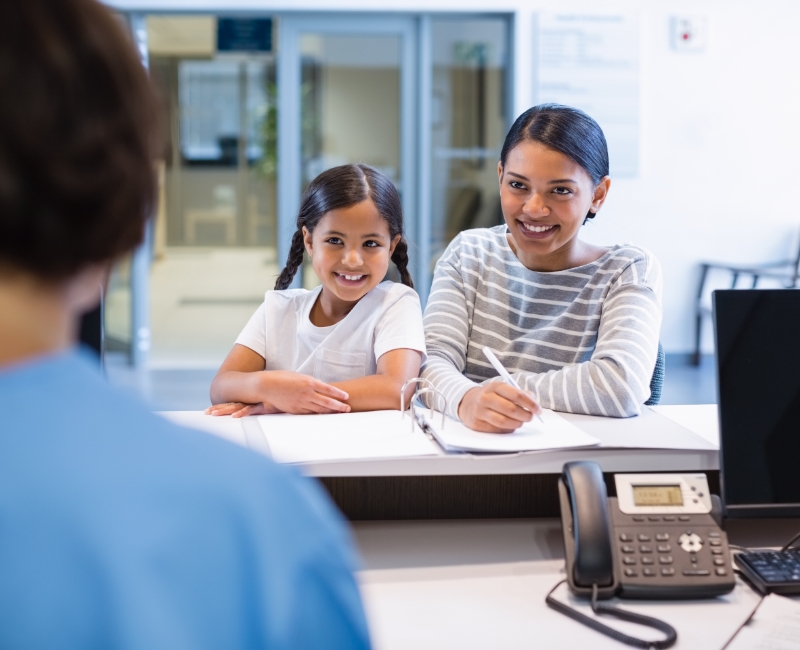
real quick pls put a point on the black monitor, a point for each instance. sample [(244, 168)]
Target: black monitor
[(758, 391)]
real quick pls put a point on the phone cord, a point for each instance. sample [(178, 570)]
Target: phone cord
[(609, 610)]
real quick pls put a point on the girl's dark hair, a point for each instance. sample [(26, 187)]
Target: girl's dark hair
[(341, 187), (566, 130), (79, 134)]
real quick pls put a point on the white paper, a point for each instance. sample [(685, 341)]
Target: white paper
[(775, 626), (344, 436), (553, 433)]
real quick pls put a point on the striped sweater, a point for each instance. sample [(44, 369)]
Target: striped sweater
[(583, 340)]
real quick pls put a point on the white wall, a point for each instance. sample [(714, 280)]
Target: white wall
[(720, 130)]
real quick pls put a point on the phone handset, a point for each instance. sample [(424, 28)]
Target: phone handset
[(590, 556), (591, 529)]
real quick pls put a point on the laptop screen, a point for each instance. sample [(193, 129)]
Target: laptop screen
[(758, 392)]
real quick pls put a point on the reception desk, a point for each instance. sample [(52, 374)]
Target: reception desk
[(470, 486)]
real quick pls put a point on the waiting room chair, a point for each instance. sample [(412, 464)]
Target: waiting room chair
[(785, 271)]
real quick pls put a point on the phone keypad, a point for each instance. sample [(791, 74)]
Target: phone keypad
[(695, 554)]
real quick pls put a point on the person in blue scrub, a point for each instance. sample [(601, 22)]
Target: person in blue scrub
[(118, 529)]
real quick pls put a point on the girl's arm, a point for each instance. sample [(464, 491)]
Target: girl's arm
[(381, 391), (242, 380)]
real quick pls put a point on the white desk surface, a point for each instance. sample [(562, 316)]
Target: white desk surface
[(689, 434), (482, 584)]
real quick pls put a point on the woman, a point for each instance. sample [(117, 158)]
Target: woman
[(576, 324)]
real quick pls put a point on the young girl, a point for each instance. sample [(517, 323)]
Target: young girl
[(351, 343), (576, 324)]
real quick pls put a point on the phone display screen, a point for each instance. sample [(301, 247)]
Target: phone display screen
[(657, 495)]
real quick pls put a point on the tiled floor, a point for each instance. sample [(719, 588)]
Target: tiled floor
[(186, 390)]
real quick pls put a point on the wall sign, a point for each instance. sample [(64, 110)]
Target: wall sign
[(591, 62), (244, 35)]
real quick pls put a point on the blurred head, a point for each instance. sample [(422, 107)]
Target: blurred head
[(78, 139), (364, 201)]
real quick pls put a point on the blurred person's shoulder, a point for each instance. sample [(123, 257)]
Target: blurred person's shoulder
[(88, 472), (62, 406)]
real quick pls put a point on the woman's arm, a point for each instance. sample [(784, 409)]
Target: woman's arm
[(242, 380), (493, 407), (382, 390), (616, 380)]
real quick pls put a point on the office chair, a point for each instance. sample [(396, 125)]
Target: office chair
[(786, 271), (657, 380)]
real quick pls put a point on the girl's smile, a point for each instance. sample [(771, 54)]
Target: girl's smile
[(351, 280)]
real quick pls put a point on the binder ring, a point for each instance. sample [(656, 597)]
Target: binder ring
[(416, 380), (423, 391)]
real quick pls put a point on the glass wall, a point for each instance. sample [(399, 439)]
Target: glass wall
[(359, 99), (213, 248), (469, 118)]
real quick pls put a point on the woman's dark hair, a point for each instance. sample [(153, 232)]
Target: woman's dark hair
[(341, 187), (566, 130), (78, 138)]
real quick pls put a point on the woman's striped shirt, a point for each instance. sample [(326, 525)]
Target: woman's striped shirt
[(583, 340)]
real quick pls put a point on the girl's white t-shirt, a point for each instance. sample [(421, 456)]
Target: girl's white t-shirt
[(388, 318)]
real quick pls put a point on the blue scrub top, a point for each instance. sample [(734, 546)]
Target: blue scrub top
[(119, 529)]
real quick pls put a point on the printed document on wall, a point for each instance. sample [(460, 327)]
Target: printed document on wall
[(591, 62)]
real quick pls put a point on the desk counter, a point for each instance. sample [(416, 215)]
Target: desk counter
[(662, 438), (457, 486)]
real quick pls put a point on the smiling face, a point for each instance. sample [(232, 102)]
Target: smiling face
[(350, 250), (545, 197)]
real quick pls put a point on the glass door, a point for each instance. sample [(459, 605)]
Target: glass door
[(346, 93), (466, 116)]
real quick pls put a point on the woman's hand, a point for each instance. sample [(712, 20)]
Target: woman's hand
[(240, 410), (497, 407), (292, 392)]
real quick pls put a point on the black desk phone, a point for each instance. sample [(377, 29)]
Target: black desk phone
[(657, 539)]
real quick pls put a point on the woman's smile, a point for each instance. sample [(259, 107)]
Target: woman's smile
[(531, 230)]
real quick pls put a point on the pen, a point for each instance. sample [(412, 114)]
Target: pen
[(503, 372)]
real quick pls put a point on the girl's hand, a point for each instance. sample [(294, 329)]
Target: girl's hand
[(497, 407), (292, 392), (240, 410)]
